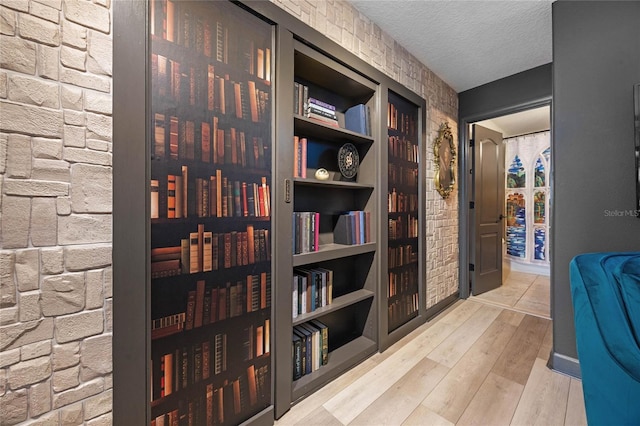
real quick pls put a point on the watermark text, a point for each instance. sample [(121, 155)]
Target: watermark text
[(622, 213)]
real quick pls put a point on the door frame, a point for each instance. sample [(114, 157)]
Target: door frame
[(466, 183)]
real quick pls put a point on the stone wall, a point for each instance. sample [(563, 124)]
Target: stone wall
[(55, 182), (345, 25)]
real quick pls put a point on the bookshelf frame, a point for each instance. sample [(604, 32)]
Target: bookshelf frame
[(132, 228), (389, 337), (302, 57)]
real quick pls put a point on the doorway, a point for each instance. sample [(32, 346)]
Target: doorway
[(509, 241)]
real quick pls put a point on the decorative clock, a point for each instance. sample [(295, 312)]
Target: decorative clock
[(348, 160)]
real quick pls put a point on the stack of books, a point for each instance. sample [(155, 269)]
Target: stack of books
[(312, 289), (321, 111), (306, 232), (352, 228), (310, 348), (358, 119)]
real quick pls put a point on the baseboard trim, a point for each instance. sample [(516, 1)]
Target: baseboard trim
[(565, 365), (442, 305), (528, 268), (263, 418)]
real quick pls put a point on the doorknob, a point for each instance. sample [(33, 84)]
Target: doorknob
[(500, 218)]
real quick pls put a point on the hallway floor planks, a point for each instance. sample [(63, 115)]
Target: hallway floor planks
[(523, 292), (476, 363)]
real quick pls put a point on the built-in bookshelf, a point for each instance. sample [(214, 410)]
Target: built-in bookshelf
[(403, 284), (251, 224), (210, 213), (331, 218)]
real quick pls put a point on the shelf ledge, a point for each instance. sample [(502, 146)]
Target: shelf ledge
[(331, 183), (338, 303), (332, 251), (304, 125)]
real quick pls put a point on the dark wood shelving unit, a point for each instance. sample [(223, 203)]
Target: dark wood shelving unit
[(352, 316), (404, 285), (208, 142), (357, 317)]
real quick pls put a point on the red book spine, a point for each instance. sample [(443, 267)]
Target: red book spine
[(261, 201), (303, 159)]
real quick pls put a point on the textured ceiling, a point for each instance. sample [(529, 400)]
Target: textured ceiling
[(468, 43)]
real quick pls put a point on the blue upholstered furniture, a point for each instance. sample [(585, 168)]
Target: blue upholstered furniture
[(606, 299)]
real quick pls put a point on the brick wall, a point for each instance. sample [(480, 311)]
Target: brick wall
[(55, 205), (55, 180), (344, 24)]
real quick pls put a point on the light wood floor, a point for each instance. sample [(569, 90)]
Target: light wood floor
[(526, 293), (476, 363)]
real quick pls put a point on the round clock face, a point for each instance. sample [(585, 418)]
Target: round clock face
[(348, 160)]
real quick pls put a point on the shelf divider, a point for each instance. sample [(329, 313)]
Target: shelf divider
[(332, 251), (338, 303)]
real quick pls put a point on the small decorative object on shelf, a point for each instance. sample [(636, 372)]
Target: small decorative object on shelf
[(348, 160), (322, 174)]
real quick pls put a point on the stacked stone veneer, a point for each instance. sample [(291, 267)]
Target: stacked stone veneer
[(56, 197), (344, 24)]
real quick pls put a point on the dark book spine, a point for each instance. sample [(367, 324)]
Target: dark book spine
[(191, 306), (236, 199), (297, 357), (197, 363), (184, 368), (206, 313)]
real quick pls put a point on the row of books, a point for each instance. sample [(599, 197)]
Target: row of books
[(402, 309), (403, 149), (211, 38), (190, 364), (206, 251), (215, 196), (353, 227), (358, 119), (300, 98), (402, 255), (206, 305), (209, 304), (310, 347), (405, 176), (312, 289), (313, 108), (202, 88), (178, 139), (299, 157), (403, 227), (219, 405), (403, 282), (306, 232), (401, 121), (173, 371), (398, 202)]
